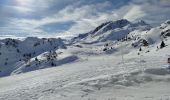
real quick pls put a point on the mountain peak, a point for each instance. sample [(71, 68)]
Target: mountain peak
[(142, 22), (111, 25), (122, 22)]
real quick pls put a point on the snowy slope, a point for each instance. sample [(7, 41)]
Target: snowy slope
[(153, 36), (107, 70), (18, 56), (16, 53), (95, 77)]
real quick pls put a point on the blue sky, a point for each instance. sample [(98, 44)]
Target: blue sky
[(71, 17)]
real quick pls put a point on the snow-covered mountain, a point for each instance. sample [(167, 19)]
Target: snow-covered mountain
[(18, 56), (154, 35), (136, 34), (112, 30), (117, 60), (16, 53)]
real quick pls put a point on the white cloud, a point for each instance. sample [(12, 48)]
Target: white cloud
[(85, 17), (156, 11), (134, 13), (22, 9)]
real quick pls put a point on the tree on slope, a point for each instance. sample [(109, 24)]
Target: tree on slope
[(140, 49), (162, 45)]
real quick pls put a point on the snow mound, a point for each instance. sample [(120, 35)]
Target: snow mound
[(126, 79), (120, 81), (23, 68), (158, 71)]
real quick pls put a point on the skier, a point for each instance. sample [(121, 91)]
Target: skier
[(168, 62)]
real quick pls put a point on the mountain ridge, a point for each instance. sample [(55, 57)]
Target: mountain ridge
[(113, 26)]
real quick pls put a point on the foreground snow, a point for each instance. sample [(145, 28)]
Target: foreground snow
[(97, 77)]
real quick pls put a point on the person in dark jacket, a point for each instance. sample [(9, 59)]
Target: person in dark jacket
[(168, 62)]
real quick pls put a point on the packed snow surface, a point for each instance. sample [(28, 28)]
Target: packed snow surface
[(94, 77)]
